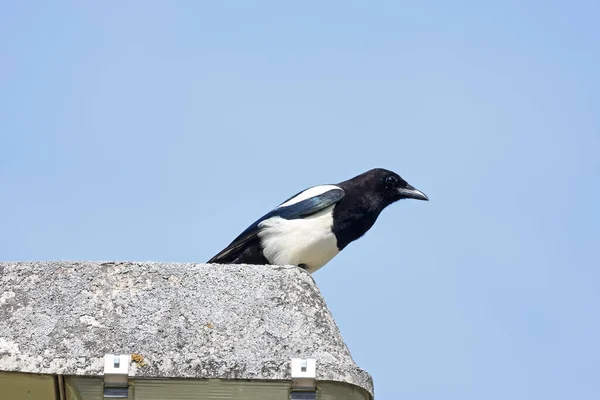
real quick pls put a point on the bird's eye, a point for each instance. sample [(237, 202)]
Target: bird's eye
[(391, 180)]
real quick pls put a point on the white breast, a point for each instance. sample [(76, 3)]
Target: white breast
[(300, 241)]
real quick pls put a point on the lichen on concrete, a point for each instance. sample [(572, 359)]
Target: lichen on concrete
[(180, 320)]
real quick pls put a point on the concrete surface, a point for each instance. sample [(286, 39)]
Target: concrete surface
[(183, 320)]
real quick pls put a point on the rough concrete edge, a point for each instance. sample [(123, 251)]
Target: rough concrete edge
[(95, 365)]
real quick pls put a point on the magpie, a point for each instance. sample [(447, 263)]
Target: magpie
[(313, 226)]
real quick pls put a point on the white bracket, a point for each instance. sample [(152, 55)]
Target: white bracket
[(304, 374), (116, 375)]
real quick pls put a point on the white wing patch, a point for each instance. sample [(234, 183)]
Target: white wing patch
[(308, 193), (300, 241)]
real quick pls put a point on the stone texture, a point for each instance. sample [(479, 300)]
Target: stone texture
[(183, 320)]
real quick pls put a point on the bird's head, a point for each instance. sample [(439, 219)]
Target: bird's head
[(388, 186)]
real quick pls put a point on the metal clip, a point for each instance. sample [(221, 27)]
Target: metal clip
[(304, 374), (116, 375)]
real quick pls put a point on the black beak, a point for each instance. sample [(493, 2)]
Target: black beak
[(410, 192)]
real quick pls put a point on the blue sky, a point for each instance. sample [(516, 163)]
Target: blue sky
[(160, 130)]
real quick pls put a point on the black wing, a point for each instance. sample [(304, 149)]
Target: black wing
[(301, 209)]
